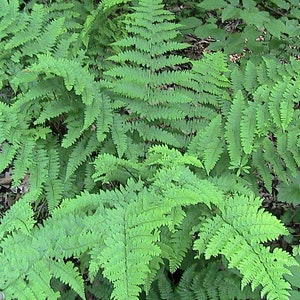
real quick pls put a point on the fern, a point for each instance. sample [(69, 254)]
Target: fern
[(234, 242), (232, 130), (127, 149), (209, 147), (201, 281), (263, 106), (121, 230), (144, 72)]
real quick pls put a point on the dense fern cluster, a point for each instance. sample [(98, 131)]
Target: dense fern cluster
[(260, 124), (144, 163), (129, 232)]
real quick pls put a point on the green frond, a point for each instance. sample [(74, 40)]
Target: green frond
[(7, 154), (237, 80), (142, 72), (175, 245), (47, 40), (53, 184), (164, 156), (270, 155), (224, 234), (74, 124), (211, 282), (274, 103), (68, 274), (83, 149), (250, 82), (18, 219), (230, 184), (53, 109), (9, 15), (131, 246), (232, 133), (272, 68), (262, 168), (153, 133), (263, 117), (287, 105), (213, 68), (285, 154), (118, 135), (30, 32), (294, 144), (184, 287), (109, 168), (165, 288), (208, 145), (40, 283), (248, 128), (38, 171), (74, 75), (23, 161), (104, 120)]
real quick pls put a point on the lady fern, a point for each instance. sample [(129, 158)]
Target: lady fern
[(146, 210), (126, 230), (152, 91), (55, 95)]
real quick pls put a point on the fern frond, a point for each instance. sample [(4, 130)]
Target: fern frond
[(285, 154), (9, 15), (30, 32), (143, 70), (53, 184), (23, 161), (262, 168), (19, 218), (208, 144), (232, 133), (211, 281), (250, 82), (118, 135), (131, 246), (7, 154), (294, 144), (222, 235), (275, 101), (176, 245), (74, 75), (248, 128), (80, 152), (38, 171), (270, 155), (68, 274), (53, 109)]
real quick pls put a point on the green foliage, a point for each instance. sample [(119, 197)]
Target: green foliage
[(251, 28), (125, 230), (261, 123), (140, 166)]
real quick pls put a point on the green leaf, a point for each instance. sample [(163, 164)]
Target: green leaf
[(275, 27), (212, 30), (255, 18), (190, 22), (230, 12), (212, 5), (281, 3)]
